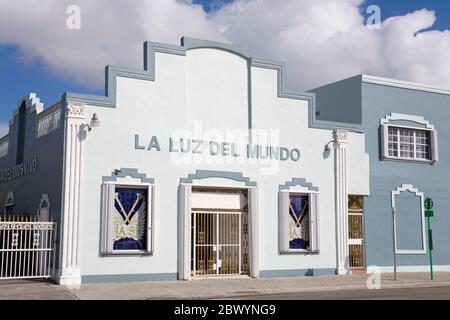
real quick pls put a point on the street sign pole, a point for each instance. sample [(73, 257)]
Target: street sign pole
[(430, 246), (428, 204), (394, 243)]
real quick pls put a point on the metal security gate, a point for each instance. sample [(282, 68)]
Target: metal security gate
[(26, 248), (219, 242), (356, 232)]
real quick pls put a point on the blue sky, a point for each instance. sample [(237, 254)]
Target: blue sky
[(391, 8), (211, 5), (18, 77)]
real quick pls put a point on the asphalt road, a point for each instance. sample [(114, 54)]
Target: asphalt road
[(437, 293)]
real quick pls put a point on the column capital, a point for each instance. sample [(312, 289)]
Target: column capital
[(75, 111), (340, 138)]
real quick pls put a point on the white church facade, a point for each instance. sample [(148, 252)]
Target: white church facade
[(201, 165)]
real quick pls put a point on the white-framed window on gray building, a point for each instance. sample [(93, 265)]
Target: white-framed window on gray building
[(409, 138), (10, 202), (21, 133), (127, 216), (298, 219), (409, 220), (44, 208)]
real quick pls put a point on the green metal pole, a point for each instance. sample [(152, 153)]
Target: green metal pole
[(430, 247)]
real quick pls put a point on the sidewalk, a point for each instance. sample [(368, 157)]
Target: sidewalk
[(208, 289)]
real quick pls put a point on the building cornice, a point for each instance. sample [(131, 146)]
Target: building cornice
[(404, 84), (148, 74), (32, 104)]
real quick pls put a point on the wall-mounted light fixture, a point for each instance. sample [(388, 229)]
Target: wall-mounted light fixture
[(95, 122), (327, 146)]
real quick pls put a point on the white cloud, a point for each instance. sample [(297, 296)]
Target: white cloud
[(323, 41), (112, 32), (320, 41), (4, 128)]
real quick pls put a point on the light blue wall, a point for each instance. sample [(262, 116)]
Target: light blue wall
[(353, 101), (408, 221), (379, 101), (340, 101)]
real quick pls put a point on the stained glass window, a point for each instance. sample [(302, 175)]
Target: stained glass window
[(130, 218), (299, 222)]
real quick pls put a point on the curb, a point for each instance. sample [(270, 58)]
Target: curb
[(239, 294)]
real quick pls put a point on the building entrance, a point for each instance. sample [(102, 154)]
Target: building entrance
[(356, 232), (219, 223)]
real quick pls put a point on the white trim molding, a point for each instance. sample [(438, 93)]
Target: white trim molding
[(340, 139), (406, 117), (412, 189), (404, 84)]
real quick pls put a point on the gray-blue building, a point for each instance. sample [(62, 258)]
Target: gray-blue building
[(406, 130)]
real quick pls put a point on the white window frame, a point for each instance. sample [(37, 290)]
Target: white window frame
[(313, 201), (426, 126), (44, 199), (107, 223), (417, 193), (10, 201)]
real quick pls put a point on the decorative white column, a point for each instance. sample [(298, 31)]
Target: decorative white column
[(341, 201), (184, 218), (253, 232), (69, 264)]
